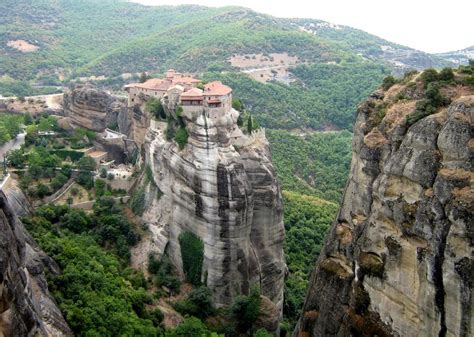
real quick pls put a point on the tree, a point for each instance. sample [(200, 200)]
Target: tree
[(249, 124), (86, 165), (192, 253), (58, 181), (181, 137), (190, 327), (103, 173), (388, 82), (428, 76), (245, 310), (77, 221), (42, 190), (446, 74), (155, 107), (27, 118), (198, 303), (237, 104), (16, 158), (143, 77), (99, 187)]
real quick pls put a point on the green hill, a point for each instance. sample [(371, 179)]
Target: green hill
[(46, 42)]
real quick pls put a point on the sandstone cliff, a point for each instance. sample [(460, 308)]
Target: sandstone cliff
[(224, 193), (398, 259), (95, 109), (26, 307)]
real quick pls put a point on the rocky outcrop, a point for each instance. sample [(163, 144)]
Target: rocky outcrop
[(225, 194), (398, 261), (95, 109), (26, 307)]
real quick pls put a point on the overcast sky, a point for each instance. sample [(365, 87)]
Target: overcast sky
[(428, 25)]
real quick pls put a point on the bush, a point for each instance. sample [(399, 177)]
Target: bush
[(190, 327), (103, 173), (110, 176), (446, 74), (388, 82), (76, 221), (137, 203), (198, 303), (181, 137), (155, 107), (192, 253), (428, 76), (58, 181), (42, 190), (245, 311), (99, 188)]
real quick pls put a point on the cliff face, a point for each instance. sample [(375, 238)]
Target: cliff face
[(225, 194), (26, 307), (398, 259), (95, 109)]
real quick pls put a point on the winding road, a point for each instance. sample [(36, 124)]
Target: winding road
[(13, 144)]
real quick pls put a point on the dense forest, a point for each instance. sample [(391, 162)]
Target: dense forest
[(315, 164), (307, 220), (325, 96)]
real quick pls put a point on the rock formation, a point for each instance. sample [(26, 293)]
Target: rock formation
[(26, 307), (224, 193), (95, 109), (398, 259)]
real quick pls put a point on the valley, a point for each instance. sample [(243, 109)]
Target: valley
[(198, 171)]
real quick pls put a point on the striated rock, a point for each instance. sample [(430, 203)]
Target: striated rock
[(399, 259), (26, 307), (224, 193), (95, 109)]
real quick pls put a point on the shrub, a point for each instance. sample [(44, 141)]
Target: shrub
[(245, 310), (99, 187), (137, 203), (155, 107), (76, 221), (110, 176), (446, 74), (156, 317), (388, 82), (58, 181), (198, 303), (42, 190), (103, 173), (237, 104), (192, 253), (181, 137), (428, 76)]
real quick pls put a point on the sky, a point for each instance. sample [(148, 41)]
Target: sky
[(432, 26)]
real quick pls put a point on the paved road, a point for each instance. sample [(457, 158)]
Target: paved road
[(12, 145)]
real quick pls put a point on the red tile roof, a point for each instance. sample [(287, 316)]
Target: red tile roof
[(192, 94), (216, 88)]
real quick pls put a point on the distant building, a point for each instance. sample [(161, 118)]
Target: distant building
[(214, 98), (157, 87)]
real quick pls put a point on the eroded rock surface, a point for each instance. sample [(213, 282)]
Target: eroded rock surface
[(225, 194), (95, 109), (26, 307), (398, 261)]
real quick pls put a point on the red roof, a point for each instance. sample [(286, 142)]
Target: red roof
[(216, 88), (192, 94)]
